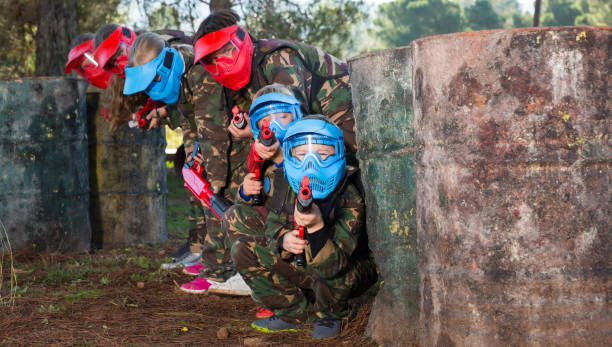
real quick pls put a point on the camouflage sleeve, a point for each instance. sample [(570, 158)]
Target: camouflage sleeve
[(190, 133), (211, 121), (284, 67), (334, 257)]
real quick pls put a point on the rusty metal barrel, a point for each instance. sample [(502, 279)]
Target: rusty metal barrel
[(514, 203), (44, 186), (128, 182), (381, 84)]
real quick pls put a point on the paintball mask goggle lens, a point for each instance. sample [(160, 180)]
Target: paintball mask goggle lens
[(323, 150)]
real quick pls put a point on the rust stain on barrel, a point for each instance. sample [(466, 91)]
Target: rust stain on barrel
[(513, 175)]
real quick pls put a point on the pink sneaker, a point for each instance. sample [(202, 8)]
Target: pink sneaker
[(197, 286), (193, 270)]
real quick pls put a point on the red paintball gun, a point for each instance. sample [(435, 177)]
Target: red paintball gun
[(200, 187), (303, 204), (255, 163), (139, 118), (238, 118)]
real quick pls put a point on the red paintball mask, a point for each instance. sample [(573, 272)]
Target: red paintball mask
[(93, 73), (107, 51), (233, 72)]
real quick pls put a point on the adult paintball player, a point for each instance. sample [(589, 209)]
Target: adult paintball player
[(313, 239)]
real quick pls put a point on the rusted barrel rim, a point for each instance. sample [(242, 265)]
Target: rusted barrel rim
[(376, 53), (482, 33)]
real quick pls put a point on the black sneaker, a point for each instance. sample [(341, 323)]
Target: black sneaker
[(273, 325), (326, 328)]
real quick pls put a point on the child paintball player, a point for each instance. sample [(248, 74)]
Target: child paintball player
[(167, 74), (276, 105), (313, 237), (81, 60)]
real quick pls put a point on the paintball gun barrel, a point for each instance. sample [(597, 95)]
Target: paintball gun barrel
[(238, 118), (303, 205)]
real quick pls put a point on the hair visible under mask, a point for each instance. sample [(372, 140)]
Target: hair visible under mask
[(216, 21)]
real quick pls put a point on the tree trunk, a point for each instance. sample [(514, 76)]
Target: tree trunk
[(536, 13), (57, 26), (216, 5)]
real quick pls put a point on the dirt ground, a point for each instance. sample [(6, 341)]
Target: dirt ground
[(95, 300)]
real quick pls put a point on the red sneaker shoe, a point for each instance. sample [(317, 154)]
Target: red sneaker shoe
[(197, 286), (263, 312), (193, 270)]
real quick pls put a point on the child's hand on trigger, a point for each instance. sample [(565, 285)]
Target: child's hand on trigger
[(269, 153), (251, 186), (312, 220), (292, 243)]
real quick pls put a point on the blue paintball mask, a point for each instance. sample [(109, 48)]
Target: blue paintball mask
[(160, 78), (271, 104), (324, 171)]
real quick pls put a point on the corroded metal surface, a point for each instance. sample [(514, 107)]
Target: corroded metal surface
[(128, 182), (514, 200), (382, 97), (44, 187)]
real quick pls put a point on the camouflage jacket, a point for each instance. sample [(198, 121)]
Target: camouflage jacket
[(200, 101), (344, 237)]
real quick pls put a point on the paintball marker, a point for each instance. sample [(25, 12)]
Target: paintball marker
[(200, 187), (139, 118), (303, 204), (266, 136), (255, 165), (255, 162), (238, 118)]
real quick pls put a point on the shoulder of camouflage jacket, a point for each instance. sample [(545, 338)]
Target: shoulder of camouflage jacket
[(315, 59)]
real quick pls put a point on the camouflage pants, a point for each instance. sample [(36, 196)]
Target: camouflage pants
[(279, 284), (197, 225)]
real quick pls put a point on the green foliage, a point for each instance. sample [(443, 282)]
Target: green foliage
[(481, 16), (18, 27), (83, 294), (62, 273), (560, 12), (164, 17), (324, 24), (142, 261), (594, 12), (583, 12), (520, 20), (50, 308), (402, 21)]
